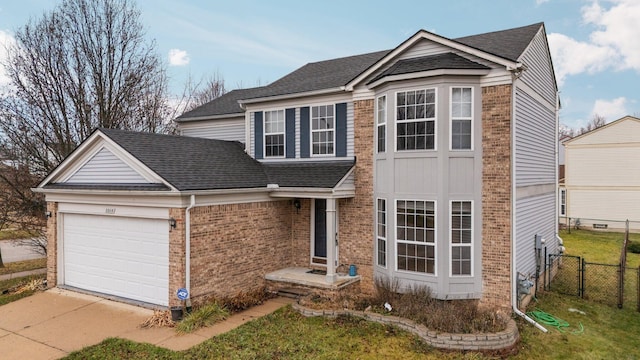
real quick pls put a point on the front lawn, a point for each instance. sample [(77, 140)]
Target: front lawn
[(16, 234), (608, 333)]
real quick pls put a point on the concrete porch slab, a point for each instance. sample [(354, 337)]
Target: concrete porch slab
[(302, 276)]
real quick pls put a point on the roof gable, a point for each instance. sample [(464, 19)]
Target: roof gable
[(106, 167), (622, 131), (508, 44)]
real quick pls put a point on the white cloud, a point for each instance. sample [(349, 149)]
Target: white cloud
[(540, 2), (178, 57), (6, 39), (610, 109), (612, 45)]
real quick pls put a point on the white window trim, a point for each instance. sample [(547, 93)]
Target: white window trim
[(395, 118), (264, 134), (460, 118), (560, 192), (451, 245), (383, 123), (385, 238), (395, 238), (311, 131)]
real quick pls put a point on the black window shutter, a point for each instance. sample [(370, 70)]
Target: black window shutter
[(258, 134), (290, 132), (341, 129), (304, 132)]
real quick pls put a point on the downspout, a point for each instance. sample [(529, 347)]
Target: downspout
[(514, 273), (187, 246)]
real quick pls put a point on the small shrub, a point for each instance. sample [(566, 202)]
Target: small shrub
[(205, 315), (634, 247), (246, 299)]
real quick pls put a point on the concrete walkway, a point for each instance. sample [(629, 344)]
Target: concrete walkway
[(51, 324)]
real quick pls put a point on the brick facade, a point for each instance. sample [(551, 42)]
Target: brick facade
[(177, 255), (52, 245), (233, 246), (355, 235), (496, 196)]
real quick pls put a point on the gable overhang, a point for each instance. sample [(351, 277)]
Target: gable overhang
[(334, 90), (209, 117), (510, 65), (426, 74), (85, 152)]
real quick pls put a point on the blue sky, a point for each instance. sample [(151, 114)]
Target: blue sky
[(594, 44)]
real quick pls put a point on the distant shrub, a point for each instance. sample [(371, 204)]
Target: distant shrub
[(634, 247)]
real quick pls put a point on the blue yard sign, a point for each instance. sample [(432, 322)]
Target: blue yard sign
[(183, 294)]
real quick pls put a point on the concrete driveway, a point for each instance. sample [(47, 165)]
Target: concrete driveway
[(51, 324)]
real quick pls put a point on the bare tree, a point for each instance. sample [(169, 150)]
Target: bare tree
[(595, 122), (85, 64)]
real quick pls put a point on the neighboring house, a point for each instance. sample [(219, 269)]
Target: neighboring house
[(602, 172), (562, 191), (432, 163)]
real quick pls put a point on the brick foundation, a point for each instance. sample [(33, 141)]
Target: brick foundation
[(496, 196)]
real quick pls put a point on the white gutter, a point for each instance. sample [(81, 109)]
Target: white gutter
[(209, 117), (514, 246), (187, 245)]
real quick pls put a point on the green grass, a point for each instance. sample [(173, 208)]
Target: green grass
[(18, 266), (599, 246), (12, 283), (206, 315), (609, 333), (16, 234)]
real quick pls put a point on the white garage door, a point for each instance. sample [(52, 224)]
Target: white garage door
[(122, 256)]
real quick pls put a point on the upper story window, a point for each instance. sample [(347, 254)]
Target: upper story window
[(416, 119), (461, 237), (461, 118), (274, 133), (381, 113), (563, 202), (416, 236), (322, 130)]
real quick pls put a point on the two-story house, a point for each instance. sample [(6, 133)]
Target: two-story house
[(433, 163)]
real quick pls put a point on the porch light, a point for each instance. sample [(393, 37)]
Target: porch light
[(296, 204), (47, 214), (172, 223)]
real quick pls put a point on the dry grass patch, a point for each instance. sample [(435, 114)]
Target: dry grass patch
[(18, 266)]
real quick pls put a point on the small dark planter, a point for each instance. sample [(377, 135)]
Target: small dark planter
[(176, 313)]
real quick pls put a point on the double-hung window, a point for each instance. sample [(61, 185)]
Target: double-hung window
[(415, 236), (416, 120), (381, 113), (461, 118), (381, 232), (461, 237), (322, 130), (274, 133)]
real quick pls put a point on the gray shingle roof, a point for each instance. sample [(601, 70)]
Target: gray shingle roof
[(225, 104), (190, 163), (508, 44), (432, 62), (322, 174)]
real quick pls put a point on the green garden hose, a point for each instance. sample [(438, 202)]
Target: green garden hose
[(550, 320)]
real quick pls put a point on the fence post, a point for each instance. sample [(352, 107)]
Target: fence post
[(620, 285), (581, 276)]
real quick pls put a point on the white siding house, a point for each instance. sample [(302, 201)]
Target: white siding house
[(603, 175)]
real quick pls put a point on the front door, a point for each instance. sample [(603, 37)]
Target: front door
[(319, 245)]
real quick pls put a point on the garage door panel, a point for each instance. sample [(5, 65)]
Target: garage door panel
[(126, 257)]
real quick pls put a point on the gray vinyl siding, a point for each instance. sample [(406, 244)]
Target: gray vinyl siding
[(231, 129), (252, 121), (539, 73), (350, 134), (534, 215), (105, 167), (535, 142)]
